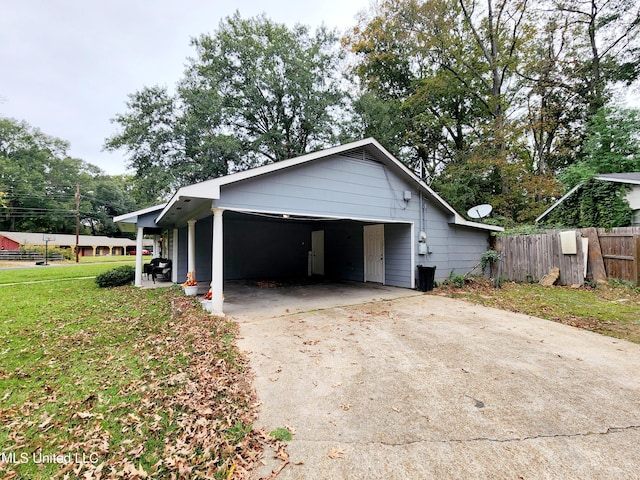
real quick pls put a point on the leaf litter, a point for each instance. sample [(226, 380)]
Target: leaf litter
[(187, 413)]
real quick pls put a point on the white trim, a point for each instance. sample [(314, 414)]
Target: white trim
[(217, 259), (548, 210), (608, 177), (132, 217), (611, 177), (174, 256), (311, 216), (138, 274), (466, 223)]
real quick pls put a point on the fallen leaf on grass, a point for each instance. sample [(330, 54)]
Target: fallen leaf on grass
[(45, 422)]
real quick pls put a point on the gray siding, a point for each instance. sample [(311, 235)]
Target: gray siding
[(337, 186), (204, 229), (452, 247), (147, 220), (397, 269), (349, 187)]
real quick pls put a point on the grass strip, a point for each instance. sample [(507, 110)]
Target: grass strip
[(56, 272), (120, 383), (612, 309)]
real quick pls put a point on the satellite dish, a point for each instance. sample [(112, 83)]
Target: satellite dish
[(480, 211)]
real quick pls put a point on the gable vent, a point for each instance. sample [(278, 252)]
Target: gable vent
[(359, 154)]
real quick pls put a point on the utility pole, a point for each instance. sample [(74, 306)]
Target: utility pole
[(77, 221)]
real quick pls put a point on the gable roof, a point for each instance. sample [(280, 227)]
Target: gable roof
[(632, 178), (132, 217), (629, 178), (210, 189)]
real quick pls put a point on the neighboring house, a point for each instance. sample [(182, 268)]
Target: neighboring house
[(352, 212), (89, 245), (633, 196)]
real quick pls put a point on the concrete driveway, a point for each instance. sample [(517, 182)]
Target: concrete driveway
[(422, 386)]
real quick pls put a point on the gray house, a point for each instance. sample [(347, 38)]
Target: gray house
[(352, 212)]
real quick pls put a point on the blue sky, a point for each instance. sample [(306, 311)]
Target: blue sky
[(68, 65)]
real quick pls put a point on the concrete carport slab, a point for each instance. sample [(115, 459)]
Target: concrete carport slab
[(423, 386), (266, 299)]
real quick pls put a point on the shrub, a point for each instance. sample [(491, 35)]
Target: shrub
[(455, 280), (116, 277)]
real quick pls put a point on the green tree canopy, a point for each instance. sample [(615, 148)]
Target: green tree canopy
[(595, 203), (38, 182), (452, 68), (612, 145), (256, 92)]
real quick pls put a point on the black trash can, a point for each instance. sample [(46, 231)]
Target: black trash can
[(426, 277)]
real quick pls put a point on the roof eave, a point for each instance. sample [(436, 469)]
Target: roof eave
[(458, 220), (132, 217)]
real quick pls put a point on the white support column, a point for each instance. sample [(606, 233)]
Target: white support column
[(156, 247), (138, 278), (174, 256), (217, 273), (191, 246)]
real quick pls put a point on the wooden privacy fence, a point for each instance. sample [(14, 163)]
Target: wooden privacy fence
[(621, 254), (583, 254)]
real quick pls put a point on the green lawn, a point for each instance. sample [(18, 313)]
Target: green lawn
[(612, 309), (57, 272), (115, 381)]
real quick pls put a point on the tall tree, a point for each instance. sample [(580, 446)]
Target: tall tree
[(256, 92), (38, 182), (612, 145), (276, 88), (452, 65), (555, 111), (148, 135), (607, 43)]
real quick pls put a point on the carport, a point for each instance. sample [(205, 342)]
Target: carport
[(289, 247), (351, 212)]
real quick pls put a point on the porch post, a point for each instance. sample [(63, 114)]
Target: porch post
[(191, 256), (174, 256), (138, 278), (217, 273), (156, 249)]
